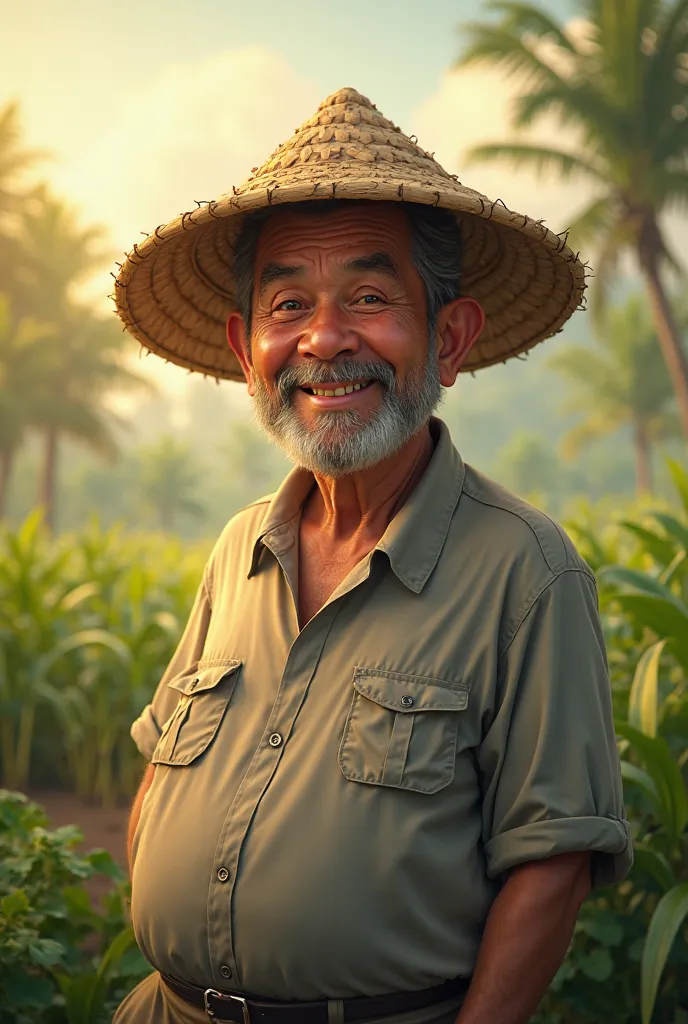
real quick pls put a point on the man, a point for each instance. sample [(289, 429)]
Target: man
[(383, 768)]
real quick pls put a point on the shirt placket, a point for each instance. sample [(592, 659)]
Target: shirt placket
[(302, 660)]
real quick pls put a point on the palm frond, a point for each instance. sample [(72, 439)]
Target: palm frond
[(492, 45), (593, 223), (580, 106), (595, 426), (541, 159), (524, 19), (663, 89)]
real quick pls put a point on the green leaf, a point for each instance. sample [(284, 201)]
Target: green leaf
[(643, 698), (655, 865), (668, 917), (46, 952), (680, 478), (23, 989), (661, 549), (598, 964), (607, 932), (664, 618), (674, 527), (105, 864), (14, 904), (654, 752), (119, 945), (639, 777), (639, 581)]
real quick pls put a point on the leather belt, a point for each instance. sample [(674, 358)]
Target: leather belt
[(244, 1009)]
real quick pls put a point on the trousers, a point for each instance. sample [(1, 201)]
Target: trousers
[(152, 1002)]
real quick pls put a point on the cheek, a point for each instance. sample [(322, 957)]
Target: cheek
[(271, 349), (398, 338)]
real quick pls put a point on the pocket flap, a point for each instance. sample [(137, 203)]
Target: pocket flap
[(203, 678), (400, 691)]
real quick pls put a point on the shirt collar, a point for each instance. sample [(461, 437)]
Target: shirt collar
[(414, 539)]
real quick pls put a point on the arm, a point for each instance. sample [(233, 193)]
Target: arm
[(136, 809), (526, 937)]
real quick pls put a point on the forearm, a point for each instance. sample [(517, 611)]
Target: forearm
[(526, 937)]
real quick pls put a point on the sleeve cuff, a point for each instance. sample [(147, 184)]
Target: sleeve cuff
[(608, 838), (146, 732)]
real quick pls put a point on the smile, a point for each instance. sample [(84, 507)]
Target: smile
[(335, 390)]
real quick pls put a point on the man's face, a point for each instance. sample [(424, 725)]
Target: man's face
[(342, 368)]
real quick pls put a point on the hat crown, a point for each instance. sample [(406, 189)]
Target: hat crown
[(347, 95), (346, 131)]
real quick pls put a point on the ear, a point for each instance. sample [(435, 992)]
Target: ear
[(236, 339), (459, 326)]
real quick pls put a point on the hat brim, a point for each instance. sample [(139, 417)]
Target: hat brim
[(176, 290)]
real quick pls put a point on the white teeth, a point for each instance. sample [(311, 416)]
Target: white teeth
[(344, 390)]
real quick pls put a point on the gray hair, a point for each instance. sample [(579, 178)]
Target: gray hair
[(436, 252)]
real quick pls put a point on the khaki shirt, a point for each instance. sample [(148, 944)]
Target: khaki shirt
[(334, 809)]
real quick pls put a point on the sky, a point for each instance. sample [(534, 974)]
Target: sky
[(148, 105)]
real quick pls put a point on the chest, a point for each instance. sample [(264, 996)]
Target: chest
[(322, 568)]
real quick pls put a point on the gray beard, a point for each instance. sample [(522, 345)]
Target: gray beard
[(343, 441)]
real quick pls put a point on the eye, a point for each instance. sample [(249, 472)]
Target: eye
[(289, 304), (369, 300)]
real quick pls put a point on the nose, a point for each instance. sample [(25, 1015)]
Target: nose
[(327, 335)]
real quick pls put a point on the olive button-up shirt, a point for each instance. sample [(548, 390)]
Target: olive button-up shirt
[(334, 808)]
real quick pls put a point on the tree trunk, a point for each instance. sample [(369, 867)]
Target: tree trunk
[(643, 459), (47, 496), (6, 463), (670, 341)]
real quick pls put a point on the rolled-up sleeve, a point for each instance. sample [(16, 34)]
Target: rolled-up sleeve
[(549, 760), (147, 728)]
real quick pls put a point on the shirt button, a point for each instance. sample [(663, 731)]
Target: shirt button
[(275, 740), (406, 701), (193, 684), (223, 874), (226, 971)]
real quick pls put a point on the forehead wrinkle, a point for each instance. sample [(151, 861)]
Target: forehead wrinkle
[(287, 234)]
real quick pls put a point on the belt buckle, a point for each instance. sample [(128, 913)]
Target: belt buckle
[(226, 995)]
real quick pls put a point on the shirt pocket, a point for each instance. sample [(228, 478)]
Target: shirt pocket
[(203, 700), (401, 730)]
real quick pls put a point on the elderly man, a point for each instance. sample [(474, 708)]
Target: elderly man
[(383, 769)]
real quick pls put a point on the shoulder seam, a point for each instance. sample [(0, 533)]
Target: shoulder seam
[(511, 511), (538, 594)]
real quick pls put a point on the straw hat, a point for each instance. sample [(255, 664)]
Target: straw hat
[(176, 289)]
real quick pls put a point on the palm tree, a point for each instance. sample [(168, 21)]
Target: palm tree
[(14, 161), (169, 481), (624, 90), (621, 382), (85, 358), (82, 365), (21, 356)]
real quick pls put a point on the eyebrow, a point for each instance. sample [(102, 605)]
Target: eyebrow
[(282, 271), (277, 272), (376, 261)]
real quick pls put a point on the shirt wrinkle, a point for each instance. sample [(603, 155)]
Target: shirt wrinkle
[(330, 816)]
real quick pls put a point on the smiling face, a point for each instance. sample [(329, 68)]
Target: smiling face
[(340, 362)]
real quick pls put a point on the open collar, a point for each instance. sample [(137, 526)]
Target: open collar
[(413, 540)]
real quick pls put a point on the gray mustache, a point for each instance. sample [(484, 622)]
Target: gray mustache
[(343, 371)]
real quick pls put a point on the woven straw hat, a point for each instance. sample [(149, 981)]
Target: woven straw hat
[(176, 289)]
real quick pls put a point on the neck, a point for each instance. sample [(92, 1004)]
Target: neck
[(363, 504)]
